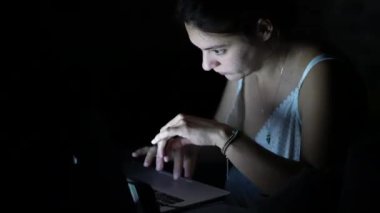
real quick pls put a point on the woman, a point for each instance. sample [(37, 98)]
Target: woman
[(284, 107)]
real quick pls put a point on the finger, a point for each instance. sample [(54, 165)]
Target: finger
[(168, 150), (159, 163), (189, 166), (171, 145), (173, 122), (140, 152), (168, 133), (190, 160), (178, 162), (165, 149), (150, 156), (161, 149)]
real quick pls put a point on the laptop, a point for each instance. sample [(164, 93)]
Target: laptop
[(170, 194)]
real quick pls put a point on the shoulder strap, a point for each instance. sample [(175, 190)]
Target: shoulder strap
[(240, 86), (311, 64)]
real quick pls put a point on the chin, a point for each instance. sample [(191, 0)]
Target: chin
[(233, 77)]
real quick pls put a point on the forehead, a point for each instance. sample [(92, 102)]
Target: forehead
[(203, 39)]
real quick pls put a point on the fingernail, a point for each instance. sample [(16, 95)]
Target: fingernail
[(146, 164), (134, 154), (175, 176), (158, 168), (166, 159)]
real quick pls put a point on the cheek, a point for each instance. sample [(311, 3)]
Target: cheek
[(250, 60), (239, 63), (233, 62)]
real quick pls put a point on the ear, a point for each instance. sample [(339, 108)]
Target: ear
[(264, 29)]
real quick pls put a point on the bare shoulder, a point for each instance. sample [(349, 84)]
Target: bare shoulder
[(320, 74), (333, 78), (303, 53), (337, 69), (298, 57), (327, 97)]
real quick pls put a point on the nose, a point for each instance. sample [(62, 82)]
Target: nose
[(209, 63)]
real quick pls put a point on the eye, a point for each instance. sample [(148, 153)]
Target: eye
[(219, 51)]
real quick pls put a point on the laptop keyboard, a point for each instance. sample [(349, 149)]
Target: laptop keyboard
[(165, 199)]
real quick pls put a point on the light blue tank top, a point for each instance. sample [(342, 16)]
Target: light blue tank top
[(281, 133)]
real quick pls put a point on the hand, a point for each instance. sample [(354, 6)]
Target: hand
[(150, 154), (184, 130), (183, 157)]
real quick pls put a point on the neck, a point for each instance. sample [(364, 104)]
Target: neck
[(273, 64)]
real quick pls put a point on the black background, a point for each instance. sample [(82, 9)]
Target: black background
[(98, 79)]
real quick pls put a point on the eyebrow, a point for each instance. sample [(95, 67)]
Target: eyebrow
[(215, 47)]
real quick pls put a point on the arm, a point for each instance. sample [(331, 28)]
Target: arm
[(186, 158), (267, 170), (317, 114)]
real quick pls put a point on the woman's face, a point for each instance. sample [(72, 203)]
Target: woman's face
[(229, 55)]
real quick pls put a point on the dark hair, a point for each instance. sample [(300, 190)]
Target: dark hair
[(236, 16)]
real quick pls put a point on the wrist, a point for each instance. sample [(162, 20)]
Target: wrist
[(223, 136), (220, 137), (231, 139)]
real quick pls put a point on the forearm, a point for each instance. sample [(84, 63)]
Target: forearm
[(267, 170)]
